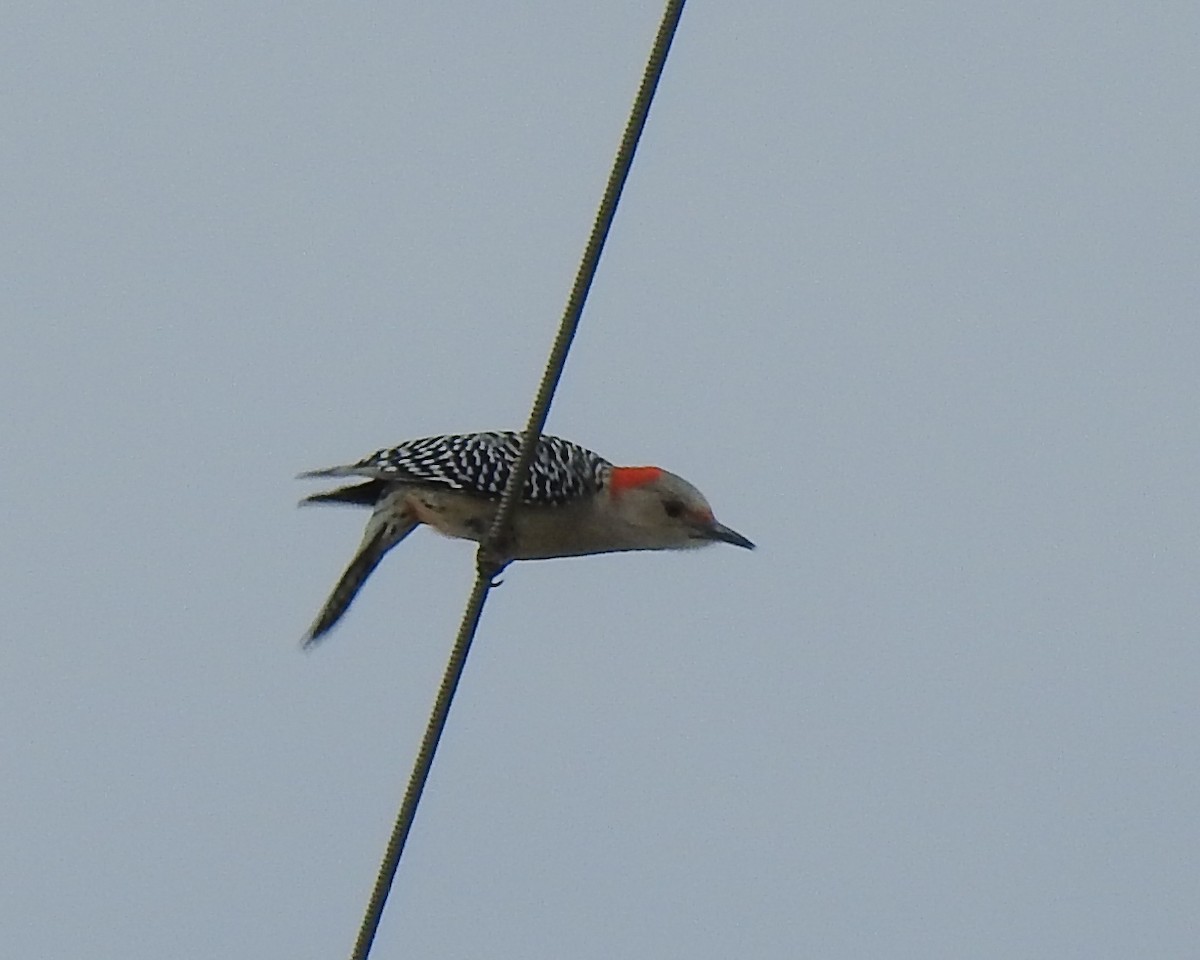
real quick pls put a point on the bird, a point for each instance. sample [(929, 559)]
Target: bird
[(573, 503)]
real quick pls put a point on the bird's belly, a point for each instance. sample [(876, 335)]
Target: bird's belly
[(539, 533), (454, 516)]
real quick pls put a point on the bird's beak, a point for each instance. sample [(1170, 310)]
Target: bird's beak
[(718, 531)]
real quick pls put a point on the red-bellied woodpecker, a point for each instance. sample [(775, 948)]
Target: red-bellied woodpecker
[(574, 502)]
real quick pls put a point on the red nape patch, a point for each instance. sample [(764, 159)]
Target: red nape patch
[(626, 478)]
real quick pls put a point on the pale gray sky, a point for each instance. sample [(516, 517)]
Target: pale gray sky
[(909, 290)]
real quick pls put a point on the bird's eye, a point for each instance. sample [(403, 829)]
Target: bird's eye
[(673, 508)]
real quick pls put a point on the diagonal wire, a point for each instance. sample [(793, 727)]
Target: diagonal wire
[(490, 559)]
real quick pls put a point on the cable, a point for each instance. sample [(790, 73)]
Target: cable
[(489, 560)]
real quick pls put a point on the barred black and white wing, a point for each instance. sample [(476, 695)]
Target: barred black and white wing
[(478, 463)]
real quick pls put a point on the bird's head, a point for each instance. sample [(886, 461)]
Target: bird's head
[(666, 511)]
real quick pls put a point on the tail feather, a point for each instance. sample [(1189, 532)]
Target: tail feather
[(357, 494), (374, 547), (348, 470)]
